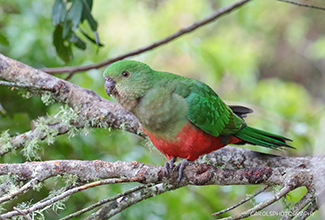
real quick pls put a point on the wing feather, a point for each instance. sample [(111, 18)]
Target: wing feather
[(206, 110)]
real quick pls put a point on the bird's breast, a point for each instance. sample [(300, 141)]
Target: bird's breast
[(162, 113), (190, 142)]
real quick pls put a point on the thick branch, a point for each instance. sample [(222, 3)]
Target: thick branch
[(196, 174), (156, 44), (235, 157), (92, 107), (93, 110)]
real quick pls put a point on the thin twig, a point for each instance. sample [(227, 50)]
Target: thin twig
[(300, 205), (241, 202), (302, 5), (103, 202), (133, 198), (311, 208), (22, 190), (21, 140), (262, 205), (63, 195), (23, 214), (188, 29), (63, 189), (69, 76)]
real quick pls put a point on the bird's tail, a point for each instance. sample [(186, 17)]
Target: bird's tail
[(258, 137)]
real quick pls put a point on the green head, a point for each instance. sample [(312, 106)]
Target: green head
[(128, 80)]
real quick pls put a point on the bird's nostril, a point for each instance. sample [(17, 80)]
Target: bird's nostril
[(108, 79)]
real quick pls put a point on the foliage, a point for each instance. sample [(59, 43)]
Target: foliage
[(66, 17), (273, 64)]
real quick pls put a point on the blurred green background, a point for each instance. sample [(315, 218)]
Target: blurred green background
[(268, 55)]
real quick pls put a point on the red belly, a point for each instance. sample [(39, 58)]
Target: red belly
[(190, 143)]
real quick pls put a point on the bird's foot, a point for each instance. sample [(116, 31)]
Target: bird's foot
[(180, 167), (169, 165)]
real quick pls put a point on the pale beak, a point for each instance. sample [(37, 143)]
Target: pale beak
[(109, 86)]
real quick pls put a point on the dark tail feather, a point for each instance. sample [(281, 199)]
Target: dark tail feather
[(258, 137), (241, 111)]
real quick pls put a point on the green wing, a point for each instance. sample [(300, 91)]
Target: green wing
[(207, 110)]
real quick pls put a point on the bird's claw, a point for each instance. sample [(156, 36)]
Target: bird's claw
[(169, 165), (180, 167)]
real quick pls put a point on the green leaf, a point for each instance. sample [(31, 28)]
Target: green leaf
[(63, 51), (67, 21), (86, 14), (74, 13), (77, 42), (67, 29), (96, 40), (58, 12), (89, 4), (3, 40)]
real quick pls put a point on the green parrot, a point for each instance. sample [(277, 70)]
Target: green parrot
[(183, 117)]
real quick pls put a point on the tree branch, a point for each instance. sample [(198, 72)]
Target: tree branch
[(302, 5), (234, 157), (23, 214), (188, 29), (42, 204), (120, 204), (91, 109), (21, 190), (301, 204), (311, 208), (118, 196), (242, 202), (264, 204), (196, 174)]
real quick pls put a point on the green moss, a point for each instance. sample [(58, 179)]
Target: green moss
[(98, 121), (205, 160), (38, 186), (65, 117), (58, 205), (70, 178), (5, 141), (47, 98), (31, 148), (27, 95)]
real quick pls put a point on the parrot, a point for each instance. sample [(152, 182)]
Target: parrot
[(183, 117)]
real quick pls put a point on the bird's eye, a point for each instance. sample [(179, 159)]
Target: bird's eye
[(125, 74)]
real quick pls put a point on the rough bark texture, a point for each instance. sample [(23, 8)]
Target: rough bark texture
[(91, 106), (195, 174)]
